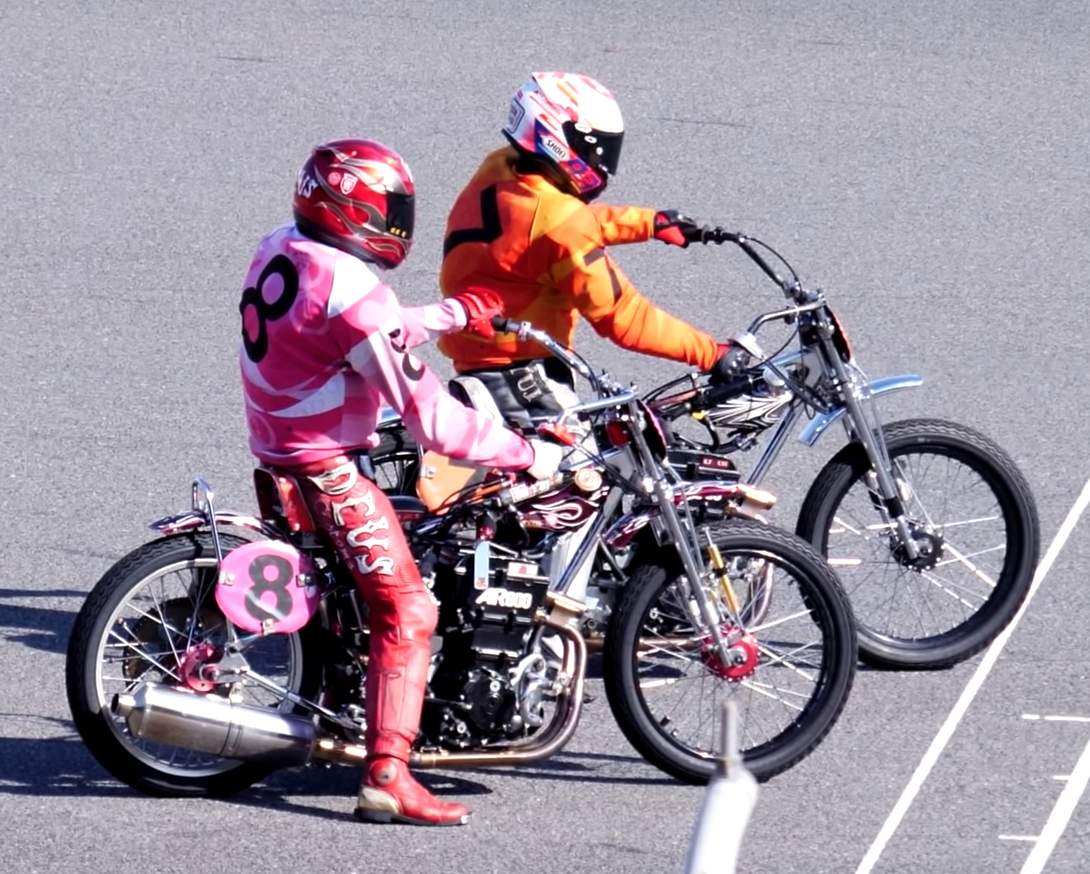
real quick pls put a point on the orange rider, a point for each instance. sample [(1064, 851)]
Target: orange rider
[(524, 228)]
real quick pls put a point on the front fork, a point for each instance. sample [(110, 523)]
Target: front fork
[(863, 416), (684, 539)]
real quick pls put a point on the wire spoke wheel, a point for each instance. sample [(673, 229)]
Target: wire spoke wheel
[(972, 520), (789, 666), (153, 618)]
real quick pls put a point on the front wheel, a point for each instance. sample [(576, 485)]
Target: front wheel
[(153, 617), (792, 657), (973, 519)]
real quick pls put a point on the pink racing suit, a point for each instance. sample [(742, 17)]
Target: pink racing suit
[(324, 342)]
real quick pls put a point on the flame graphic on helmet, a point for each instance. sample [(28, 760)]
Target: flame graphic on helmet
[(357, 195), (376, 175)]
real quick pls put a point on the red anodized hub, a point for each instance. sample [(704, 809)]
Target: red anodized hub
[(744, 654), (191, 663)]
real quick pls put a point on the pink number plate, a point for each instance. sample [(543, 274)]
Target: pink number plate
[(267, 586)]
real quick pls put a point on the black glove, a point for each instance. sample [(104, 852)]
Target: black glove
[(676, 229), (729, 364)]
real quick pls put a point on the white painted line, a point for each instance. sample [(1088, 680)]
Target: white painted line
[(1036, 716), (1019, 838), (1062, 777), (1061, 814), (967, 696)]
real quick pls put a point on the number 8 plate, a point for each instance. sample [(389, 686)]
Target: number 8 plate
[(267, 586)]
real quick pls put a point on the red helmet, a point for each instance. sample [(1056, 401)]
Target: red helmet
[(357, 195)]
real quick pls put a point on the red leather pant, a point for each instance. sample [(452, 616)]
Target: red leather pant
[(360, 522)]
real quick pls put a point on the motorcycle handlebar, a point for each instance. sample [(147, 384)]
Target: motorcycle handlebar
[(733, 362), (719, 235), (525, 331), (717, 392), (791, 288)]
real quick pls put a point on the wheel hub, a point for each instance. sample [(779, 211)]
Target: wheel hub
[(195, 667), (150, 631), (929, 549), (742, 655)]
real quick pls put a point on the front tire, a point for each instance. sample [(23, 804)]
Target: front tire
[(800, 635), (146, 612), (980, 527)]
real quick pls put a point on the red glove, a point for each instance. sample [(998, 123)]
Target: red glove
[(676, 229), (481, 306)]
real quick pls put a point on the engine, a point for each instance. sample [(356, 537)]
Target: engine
[(485, 687)]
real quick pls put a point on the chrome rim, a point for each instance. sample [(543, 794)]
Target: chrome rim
[(145, 638), (955, 514)]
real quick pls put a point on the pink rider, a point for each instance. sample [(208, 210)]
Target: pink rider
[(324, 343)]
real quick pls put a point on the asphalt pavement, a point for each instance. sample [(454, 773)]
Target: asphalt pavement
[(924, 163)]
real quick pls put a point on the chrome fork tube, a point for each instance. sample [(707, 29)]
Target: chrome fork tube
[(687, 548), (583, 554), (874, 445), (589, 544)]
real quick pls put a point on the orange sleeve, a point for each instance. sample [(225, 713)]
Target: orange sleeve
[(613, 306), (624, 224)]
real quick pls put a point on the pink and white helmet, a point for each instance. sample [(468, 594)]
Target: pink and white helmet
[(573, 123)]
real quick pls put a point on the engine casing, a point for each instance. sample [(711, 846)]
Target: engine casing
[(485, 623)]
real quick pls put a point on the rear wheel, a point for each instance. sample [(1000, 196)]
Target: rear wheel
[(148, 619), (792, 667)]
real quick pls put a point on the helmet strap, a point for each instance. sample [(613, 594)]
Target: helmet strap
[(529, 164)]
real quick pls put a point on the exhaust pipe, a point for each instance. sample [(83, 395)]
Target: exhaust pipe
[(218, 726), (215, 725)]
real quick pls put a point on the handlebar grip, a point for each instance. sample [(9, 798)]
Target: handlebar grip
[(504, 325), (718, 392), (718, 235), (730, 364), (735, 359)]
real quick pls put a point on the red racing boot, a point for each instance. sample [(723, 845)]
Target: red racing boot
[(366, 532), (389, 793), (403, 618)]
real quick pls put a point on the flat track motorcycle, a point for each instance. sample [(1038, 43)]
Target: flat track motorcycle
[(203, 660), (931, 527)]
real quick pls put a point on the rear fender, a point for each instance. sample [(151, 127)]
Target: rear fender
[(193, 520)]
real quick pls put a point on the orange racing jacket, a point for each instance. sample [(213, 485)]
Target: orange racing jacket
[(543, 252)]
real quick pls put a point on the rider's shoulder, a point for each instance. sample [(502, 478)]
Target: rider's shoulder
[(327, 275), (353, 280), (566, 219)]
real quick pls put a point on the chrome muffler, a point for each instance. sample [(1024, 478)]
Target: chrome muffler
[(216, 725)]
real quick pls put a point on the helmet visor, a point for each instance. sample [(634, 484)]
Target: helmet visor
[(599, 149), (400, 212)]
